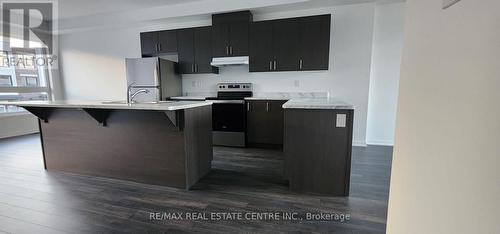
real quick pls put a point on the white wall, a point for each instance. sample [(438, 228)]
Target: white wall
[(17, 124), (384, 81), (445, 176), (92, 62)]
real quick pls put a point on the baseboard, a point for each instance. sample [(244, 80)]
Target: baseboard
[(381, 143)]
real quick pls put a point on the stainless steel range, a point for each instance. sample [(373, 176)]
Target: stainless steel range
[(229, 114)]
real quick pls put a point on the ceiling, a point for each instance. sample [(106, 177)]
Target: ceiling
[(80, 15), (78, 8)]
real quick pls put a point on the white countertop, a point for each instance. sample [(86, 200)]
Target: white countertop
[(167, 106), (317, 103), (197, 98), (258, 96), (286, 95)]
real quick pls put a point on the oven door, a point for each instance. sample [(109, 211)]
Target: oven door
[(229, 122), (228, 115)]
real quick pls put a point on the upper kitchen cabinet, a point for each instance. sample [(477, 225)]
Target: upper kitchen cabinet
[(286, 45), (274, 45), (149, 43), (195, 50), (230, 33), (261, 46), (167, 41), (314, 42), (156, 43), (295, 44)]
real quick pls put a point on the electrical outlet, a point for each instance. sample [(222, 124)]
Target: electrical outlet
[(341, 121), (296, 83), (449, 3)]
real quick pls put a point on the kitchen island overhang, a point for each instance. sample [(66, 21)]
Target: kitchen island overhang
[(168, 144)]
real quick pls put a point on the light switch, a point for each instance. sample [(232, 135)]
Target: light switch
[(341, 120)]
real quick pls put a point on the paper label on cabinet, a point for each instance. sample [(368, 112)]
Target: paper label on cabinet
[(341, 120)]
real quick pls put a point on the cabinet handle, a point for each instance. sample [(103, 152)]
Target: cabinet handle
[(192, 68), (195, 67), (227, 50), (159, 46), (275, 65), (230, 50), (248, 106), (300, 64), (267, 106), (270, 65)]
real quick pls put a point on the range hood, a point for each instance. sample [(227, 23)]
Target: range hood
[(229, 61)]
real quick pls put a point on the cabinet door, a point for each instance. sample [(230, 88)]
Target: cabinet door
[(286, 45), (238, 38), (149, 42), (203, 50), (315, 42), (276, 118), (265, 123), (167, 41), (186, 50), (261, 46), (220, 40), (256, 122)]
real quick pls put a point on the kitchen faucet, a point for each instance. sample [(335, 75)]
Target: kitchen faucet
[(130, 97)]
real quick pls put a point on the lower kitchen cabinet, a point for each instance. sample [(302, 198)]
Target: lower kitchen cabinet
[(265, 120), (317, 148)]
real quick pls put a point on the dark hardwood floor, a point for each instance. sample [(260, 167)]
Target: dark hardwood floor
[(33, 200)]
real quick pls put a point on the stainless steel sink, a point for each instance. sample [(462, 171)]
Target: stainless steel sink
[(134, 103)]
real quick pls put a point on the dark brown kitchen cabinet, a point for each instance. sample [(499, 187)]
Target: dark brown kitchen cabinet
[(293, 44), (149, 43), (167, 41), (230, 34), (314, 42), (261, 46), (156, 43), (317, 150), (185, 47), (195, 50), (286, 45), (274, 45), (265, 120), (203, 50)]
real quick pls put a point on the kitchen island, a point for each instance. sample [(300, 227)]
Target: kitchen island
[(317, 145), (167, 143)]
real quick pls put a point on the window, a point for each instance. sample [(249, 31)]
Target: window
[(6, 81), (21, 78), (31, 80)]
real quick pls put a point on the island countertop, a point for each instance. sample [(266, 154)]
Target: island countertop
[(166, 143), (162, 106), (317, 103)]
